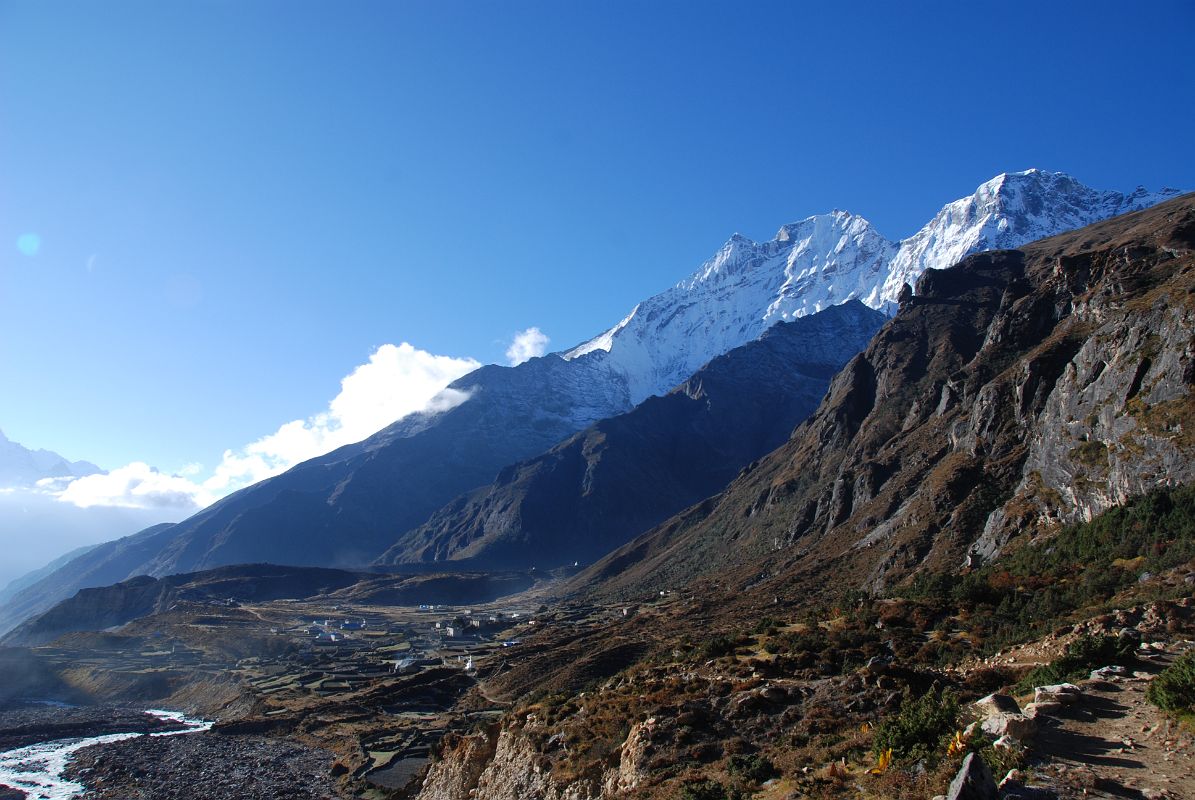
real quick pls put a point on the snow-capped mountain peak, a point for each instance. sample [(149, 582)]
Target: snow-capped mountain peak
[(827, 259), (22, 467), (1010, 210), (735, 296)]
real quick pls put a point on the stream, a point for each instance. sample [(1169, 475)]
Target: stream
[(37, 769)]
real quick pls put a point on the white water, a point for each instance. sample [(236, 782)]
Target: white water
[(37, 768)]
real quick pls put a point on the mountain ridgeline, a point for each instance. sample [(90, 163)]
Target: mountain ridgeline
[(619, 477), (1016, 391), (404, 493), (20, 466)]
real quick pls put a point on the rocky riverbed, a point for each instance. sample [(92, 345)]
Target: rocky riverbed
[(30, 723), (207, 765)]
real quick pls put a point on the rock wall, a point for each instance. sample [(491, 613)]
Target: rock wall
[(505, 764), (1115, 423)]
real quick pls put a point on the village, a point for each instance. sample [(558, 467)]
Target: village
[(376, 685)]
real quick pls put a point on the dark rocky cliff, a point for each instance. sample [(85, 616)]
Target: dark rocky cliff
[(1017, 390)]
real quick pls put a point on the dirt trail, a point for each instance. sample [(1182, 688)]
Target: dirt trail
[(1114, 744)]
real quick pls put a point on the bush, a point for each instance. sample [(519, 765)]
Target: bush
[(718, 646), (1081, 656), (1174, 689), (1034, 587), (708, 790), (753, 768), (916, 730)]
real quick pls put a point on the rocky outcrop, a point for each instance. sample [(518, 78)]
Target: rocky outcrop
[(500, 764), (1115, 424), (1012, 392), (503, 763)]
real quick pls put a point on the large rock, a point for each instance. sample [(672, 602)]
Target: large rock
[(1018, 726), (1064, 693), (996, 704), (974, 781)]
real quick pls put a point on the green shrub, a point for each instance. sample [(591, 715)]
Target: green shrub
[(1080, 658), (918, 728), (1174, 689), (1034, 587), (752, 768), (709, 790), (718, 646)]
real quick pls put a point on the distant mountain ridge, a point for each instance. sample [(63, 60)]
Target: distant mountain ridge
[(20, 466), (347, 507)]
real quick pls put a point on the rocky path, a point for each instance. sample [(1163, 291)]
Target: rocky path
[(1115, 744)]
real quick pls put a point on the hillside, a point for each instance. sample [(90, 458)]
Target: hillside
[(1015, 391), (601, 487)]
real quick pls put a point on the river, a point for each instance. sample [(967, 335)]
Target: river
[(37, 769)]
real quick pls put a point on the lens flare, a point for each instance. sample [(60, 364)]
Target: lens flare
[(29, 244)]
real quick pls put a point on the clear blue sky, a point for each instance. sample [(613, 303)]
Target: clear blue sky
[(237, 201)]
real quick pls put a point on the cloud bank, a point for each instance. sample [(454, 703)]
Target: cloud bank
[(136, 485), (527, 344), (396, 381)]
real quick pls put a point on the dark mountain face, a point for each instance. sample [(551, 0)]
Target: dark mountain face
[(347, 507), (1015, 391), (350, 506), (612, 481)]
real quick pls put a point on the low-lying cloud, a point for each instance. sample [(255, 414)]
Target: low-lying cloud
[(527, 344), (136, 485), (396, 381)]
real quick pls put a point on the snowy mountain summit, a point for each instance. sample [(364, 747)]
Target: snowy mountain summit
[(829, 259), (22, 467)]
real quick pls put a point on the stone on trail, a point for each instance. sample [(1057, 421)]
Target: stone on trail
[(974, 781)]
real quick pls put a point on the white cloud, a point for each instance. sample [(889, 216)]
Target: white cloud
[(136, 485), (530, 343), (397, 380)]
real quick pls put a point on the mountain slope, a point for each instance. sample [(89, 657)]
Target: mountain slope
[(1015, 391), (349, 506), (16, 585), (619, 477)]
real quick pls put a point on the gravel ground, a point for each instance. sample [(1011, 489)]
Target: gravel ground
[(22, 725), (203, 765)]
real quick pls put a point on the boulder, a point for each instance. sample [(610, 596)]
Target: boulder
[(1008, 744), (1018, 726), (974, 781), (996, 704), (773, 694), (1110, 673), (1044, 708), (1065, 693)]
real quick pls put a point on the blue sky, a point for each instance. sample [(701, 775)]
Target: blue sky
[(235, 203)]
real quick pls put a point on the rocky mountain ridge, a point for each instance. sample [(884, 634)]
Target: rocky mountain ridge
[(829, 259), (1013, 392), (620, 476), (347, 507)]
